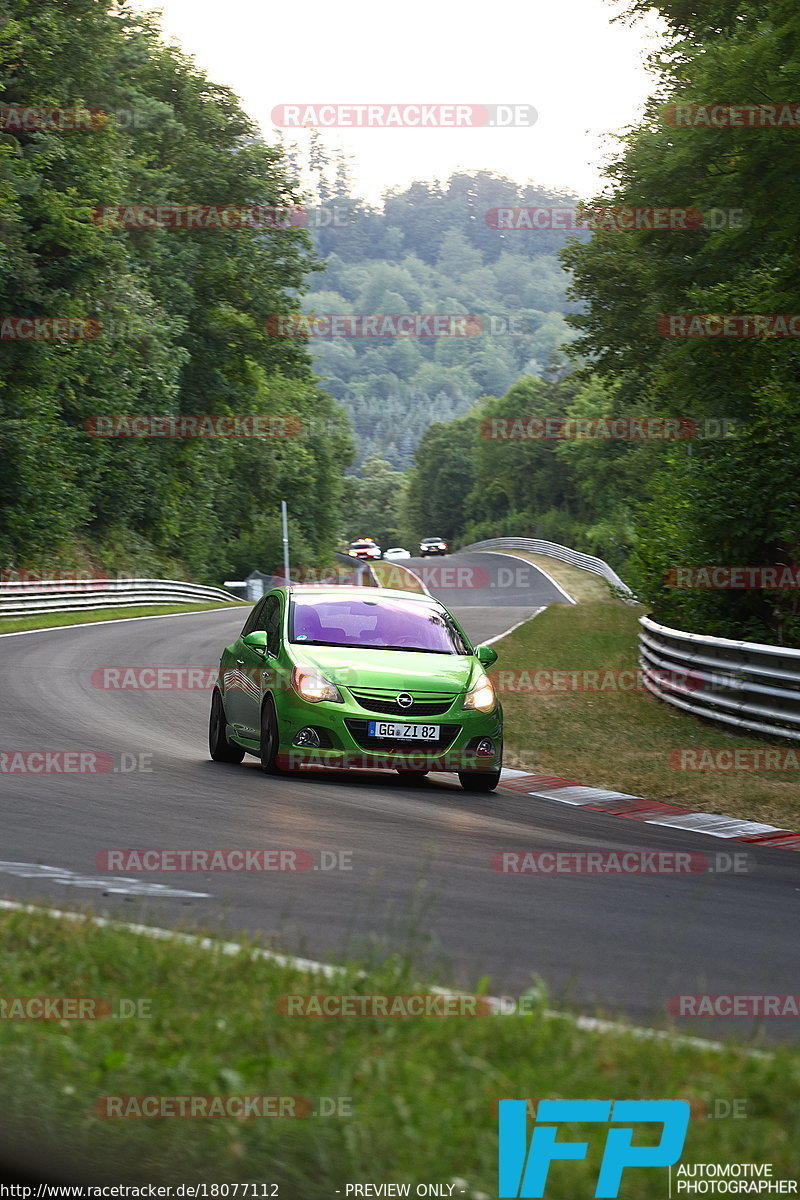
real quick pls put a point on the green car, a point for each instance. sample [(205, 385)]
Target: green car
[(329, 676)]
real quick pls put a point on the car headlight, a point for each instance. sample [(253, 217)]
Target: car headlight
[(481, 695), (311, 685)]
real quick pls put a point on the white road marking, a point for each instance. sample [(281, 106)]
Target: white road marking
[(115, 884)]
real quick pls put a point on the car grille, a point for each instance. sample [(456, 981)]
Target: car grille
[(426, 704), (358, 728)]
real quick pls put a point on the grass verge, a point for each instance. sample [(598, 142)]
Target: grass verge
[(53, 620), (613, 738), (415, 1098)]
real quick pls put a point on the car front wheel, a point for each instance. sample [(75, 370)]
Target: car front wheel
[(220, 749), (268, 742), (479, 781)]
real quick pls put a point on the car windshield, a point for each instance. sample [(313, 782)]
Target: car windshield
[(384, 624)]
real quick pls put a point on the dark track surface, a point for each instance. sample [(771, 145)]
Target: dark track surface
[(623, 943)]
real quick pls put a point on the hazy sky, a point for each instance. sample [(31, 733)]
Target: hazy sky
[(584, 75)]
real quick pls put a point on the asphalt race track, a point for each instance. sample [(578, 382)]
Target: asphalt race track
[(623, 944)]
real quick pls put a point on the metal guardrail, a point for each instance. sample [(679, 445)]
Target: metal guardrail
[(586, 562), (747, 684), (76, 595), (257, 584), (750, 685)]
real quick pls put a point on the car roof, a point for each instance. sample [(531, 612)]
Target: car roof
[(368, 593)]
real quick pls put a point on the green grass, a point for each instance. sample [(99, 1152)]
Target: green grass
[(51, 620), (422, 1091), (622, 740)]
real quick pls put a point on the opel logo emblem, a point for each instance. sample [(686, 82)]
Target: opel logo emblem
[(404, 700)]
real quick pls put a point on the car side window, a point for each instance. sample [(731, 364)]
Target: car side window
[(254, 620), (271, 622)]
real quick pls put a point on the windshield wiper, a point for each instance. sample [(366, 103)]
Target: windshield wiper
[(410, 649), (314, 642)]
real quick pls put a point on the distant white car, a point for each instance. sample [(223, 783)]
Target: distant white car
[(396, 552)]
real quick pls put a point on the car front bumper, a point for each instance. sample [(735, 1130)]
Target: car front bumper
[(346, 743)]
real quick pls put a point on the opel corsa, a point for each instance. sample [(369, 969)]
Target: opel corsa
[(331, 676)]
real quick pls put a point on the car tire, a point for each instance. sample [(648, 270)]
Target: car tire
[(479, 781), (411, 778), (268, 740), (219, 747)]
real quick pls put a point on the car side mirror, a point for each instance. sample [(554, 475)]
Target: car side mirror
[(257, 640), (485, 655)]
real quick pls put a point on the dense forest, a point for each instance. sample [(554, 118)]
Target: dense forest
[(173, 319), (649, 507), (433, 248), (393, 442)]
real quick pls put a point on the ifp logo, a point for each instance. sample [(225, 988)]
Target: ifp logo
[(523, 1170)]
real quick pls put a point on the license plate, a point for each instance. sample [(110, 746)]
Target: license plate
[(416, 733)]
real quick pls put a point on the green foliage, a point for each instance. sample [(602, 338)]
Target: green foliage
[(734, 501), (471, 480), (182, 310), (428, 248), (373, 502)]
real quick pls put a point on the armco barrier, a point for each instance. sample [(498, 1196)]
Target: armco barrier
[(747, 684), (76, 595), (575, 559)]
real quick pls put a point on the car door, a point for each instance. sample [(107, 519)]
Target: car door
[(238, 683), (256, 667)]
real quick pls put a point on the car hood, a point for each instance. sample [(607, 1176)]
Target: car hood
[(403, 670)]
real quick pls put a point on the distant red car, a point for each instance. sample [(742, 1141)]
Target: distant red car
[(364, 548)]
